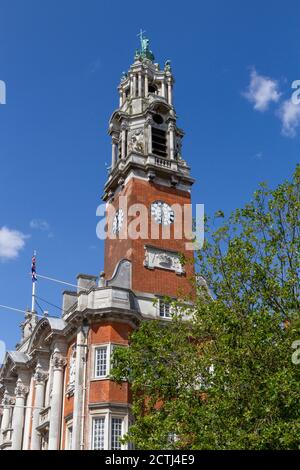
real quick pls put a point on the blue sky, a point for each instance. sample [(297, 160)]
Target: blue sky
[(234, 63)]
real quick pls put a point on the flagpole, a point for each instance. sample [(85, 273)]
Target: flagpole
[(33, 297), (33, 270)]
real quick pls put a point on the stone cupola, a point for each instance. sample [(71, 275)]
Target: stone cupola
[(146, 141)]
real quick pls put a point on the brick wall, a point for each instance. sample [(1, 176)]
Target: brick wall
[(159, 281), (105, 390)]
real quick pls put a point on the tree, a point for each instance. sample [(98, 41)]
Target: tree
[(225, 379)]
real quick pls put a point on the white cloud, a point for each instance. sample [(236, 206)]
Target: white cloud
[(258, 155), (262, 91), (40, 224), (11, 243), (289, 114), (95, 65)]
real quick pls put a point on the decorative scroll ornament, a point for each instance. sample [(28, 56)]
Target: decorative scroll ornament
[(59, 361), (6, 401), (39, 375), (20, 390), (163, 259)]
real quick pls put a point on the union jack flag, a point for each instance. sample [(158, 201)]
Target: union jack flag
[(33, 269)]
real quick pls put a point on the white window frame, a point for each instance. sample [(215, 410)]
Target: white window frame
[(108, 416), (162, 303), (105, 348), (109, 350), (98, 416), (122, 418)]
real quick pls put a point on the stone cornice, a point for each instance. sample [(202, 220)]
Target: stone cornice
[(145, 165)]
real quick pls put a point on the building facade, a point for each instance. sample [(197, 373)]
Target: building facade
[(55, 387)]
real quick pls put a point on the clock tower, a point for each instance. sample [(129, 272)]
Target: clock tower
[(56, 390), (149, 184)]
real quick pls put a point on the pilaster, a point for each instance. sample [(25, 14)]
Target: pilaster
[(59, 363), (18, 415), (39, 378)]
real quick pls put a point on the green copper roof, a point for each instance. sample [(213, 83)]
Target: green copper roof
[(144, 52)]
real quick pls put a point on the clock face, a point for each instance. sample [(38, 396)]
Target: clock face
[(118, 221), (162, 213)]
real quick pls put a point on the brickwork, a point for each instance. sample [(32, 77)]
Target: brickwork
[(157, 281)]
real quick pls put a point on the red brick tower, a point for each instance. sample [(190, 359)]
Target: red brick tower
[(149, 183)]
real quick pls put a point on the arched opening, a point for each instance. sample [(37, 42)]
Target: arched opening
[(152, 88), (158, 119)]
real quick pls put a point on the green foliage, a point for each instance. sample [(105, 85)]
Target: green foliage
[(225, 378)]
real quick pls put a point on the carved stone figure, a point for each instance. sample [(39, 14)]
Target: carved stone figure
[(72, 368), (168, 65), (179, 149), (72, 374), (136, 141)]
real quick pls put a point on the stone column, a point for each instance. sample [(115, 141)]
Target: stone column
[(171, 140), (6, 403), (149, 133), (134, 86), (170, 91), (163, 88), (28, 416), (114, 151), (123, 141), (18, 416), (140, 84), (39, 399), (56, 401), (131, 86), (146, 85), (79, 390)]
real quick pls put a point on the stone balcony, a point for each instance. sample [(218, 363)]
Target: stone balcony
[(161, 162), (44, 419), (101, 300), (148, 166)]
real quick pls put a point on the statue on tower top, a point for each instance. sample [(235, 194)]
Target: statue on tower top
[(144, 52)]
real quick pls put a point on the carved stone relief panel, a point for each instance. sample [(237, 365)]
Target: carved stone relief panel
[(163, 259)]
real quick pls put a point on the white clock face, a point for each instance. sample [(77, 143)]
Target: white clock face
[(118, 221), (162, 213)]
